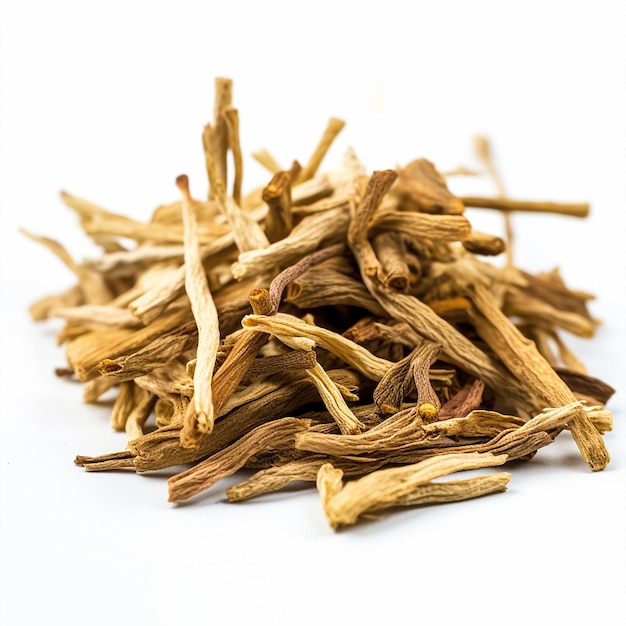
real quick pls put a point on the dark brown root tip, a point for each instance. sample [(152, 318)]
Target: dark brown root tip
[(182, 182)]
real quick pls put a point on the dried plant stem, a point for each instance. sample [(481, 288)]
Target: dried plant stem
[(277, 196), (72, 297), (123, 406), (520, 304), (423, 357), (355, 355), (332, 130), (348, 423), (242, 354), (266, 160), (328, 287), (394, 433), (200, 414), (384, 487), (85, 209), (271, 436), (86, 352), (96, 387), (288, 275), (312, 232), (144, 402), (423, 226), (218, 147), (280, 363), (96, 316), (390, 249), (305, 469), (329, 484), (481, 243), (275, 478), (506, 204), (543, 385), (158, 353), (231, 117), (151, 232), (92, 285), (377, 187), (312, 190), (454, 490), (390, 391), (422, 188), (126, 262)]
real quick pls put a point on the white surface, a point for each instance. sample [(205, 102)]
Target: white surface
[(108, 100)]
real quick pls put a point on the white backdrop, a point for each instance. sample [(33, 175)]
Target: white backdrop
[(107, 100)]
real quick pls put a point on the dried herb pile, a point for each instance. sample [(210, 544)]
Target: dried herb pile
[(344, 328)]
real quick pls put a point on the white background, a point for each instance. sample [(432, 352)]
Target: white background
[(107, 100)]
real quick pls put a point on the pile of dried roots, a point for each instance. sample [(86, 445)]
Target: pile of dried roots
[(326, 327)]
